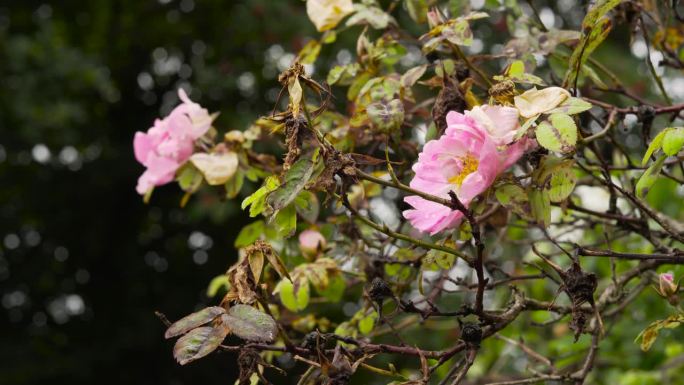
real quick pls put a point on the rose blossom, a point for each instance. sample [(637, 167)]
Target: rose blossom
[(466, 159), (169, 142)]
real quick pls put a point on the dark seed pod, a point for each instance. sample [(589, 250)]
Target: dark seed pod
[(646, 115), (379, 290), (296, 133), (432, 57), (450, 98), (310, 341), (471, 333), (580, 287), (462, 72)]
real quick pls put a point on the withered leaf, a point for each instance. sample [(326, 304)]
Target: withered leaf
[(198, 343), (250, 324), (193, 320)]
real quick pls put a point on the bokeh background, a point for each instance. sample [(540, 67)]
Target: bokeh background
[(83, 262)]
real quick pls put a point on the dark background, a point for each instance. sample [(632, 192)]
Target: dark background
[(83, 261)]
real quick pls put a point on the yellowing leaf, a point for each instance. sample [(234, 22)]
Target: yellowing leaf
[(309, 52), (216, 168), (326, 14), (534, 102)]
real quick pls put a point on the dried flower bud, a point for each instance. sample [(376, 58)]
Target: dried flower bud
[(379, 290), (471, 333), (311, 243)]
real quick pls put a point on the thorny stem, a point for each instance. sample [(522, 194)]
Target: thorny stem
[(456, 204)]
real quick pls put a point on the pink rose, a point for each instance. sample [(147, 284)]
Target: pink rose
[(466, 160), (169, 142), (499, 122)]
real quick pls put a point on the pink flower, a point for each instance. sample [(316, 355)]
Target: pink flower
[(668, 289), (667, 285), (499, 122), (169, 142), (466, 159), (311, 242)]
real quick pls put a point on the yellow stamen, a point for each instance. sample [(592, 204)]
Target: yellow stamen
[(470, 164)]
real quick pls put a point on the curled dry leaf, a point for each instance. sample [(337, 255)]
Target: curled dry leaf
[(534, 102), (216, 168)]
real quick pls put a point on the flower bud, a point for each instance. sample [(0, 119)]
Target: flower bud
[(311, 243), (668, 289)]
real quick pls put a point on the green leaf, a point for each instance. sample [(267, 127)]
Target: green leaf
[(595, 36), (193, 320), (343, 75), (249, 234), (367, 323), (294, 181), (655, 145), (431, 132), (189, 178), (571, 106), (286, 221), (458, 33), (514, 198), (217, 283), (561, 183), (649, 177), (234, 185), (198, 343), (387, 116), (307, 206), (294, 296), (250, 323), (597, 11), (540, 203), (357, 84), (559, 134), (257, 200), (335, 289), (436, 260), (673, 141)]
